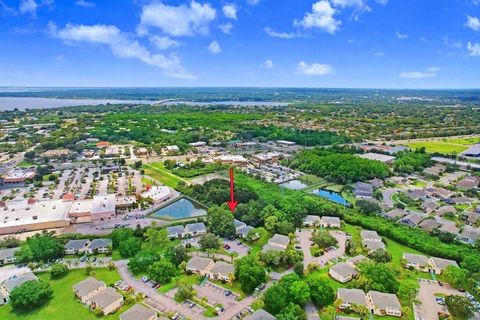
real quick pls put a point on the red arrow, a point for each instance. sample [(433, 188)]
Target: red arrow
[(232, 204)]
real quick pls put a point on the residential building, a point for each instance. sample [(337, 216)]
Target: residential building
[(330, 222), (351, 297), (311, 221), (395, 214), (363, 190), (371, 246), (243, 232), (342, 272), (200, 265), (445, 210), (195, 229), (176, 232), (16, 281), (416, 261), (221, 271), (417, 194), (468, 183), (381, 303), (260, 314), (107, 300), (469, 235), (79, 246), (87, 288), (139, 312), (370, 235), (276, 243), (354, 261), (429, 225), (238, 224), (100, 246), (8, 256), (438, 264), (429, 206), (411, 220)]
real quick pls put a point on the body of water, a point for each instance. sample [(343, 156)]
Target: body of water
[(294, 185), (332, 196), (180, 209), (22, 103)]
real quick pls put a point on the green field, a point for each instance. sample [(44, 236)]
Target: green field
[(157, 171), (63, 305), (440, 146)]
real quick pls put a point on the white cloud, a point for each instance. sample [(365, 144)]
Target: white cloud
[(473, 23), (473, 49), (230, 11), (253, 2), (358, 5), (314, 69), (429, 72), (321, 17), (382, 2), (164, 42), (177, 21), (84, 4), (283, 35), (214, 47), (28, 6), (451, 43), (401, 36), (268, 64), (120, 45), (226, 28)]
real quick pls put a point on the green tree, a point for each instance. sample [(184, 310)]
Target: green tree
[(156, 238), (129, 247), (249, 273), (380, 256), (220, 221), (59, 270), (292, 312), (185, 291), (176, 255), (162, 271), (40, 248), (120, 235), (275, 298), (30, 294), (321, 292), (407, 291), (459, 307), (455, 276), (378, 277), (299, 293), (141, 261), (209, 241), (324, 239), (298, 268)]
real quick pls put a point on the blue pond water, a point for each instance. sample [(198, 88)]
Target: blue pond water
[(330, 195), (294, 185), (181, 209)]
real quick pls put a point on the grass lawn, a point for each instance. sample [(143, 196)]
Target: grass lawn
[(157, 171), (63, 305), (257, 246), (25, 164), (311, 179), (439, 146), (188, 279)]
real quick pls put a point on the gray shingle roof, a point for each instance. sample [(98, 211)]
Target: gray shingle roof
[(279, 239), (198, 263), (196, 227), (100, 243), (106, 297), (8, 253), (352, 296), (260, 314), (137, 312), (385, 300), (416, 259), (16, 281), (344, 269), (87, 286), (76, 244), (221, 267)]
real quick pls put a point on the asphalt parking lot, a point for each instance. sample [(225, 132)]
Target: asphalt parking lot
[(196, 308), (236, 246), (216, 294)]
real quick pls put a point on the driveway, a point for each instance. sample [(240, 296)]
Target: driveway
[(428, 308), (304, 238), (238, 247), (312, 311)]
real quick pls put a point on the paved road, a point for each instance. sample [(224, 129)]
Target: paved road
[(428, 308), (387, 196)]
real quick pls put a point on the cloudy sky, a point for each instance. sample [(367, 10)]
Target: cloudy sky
[(299, 43)]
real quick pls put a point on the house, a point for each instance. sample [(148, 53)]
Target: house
[(461, 200), (260, 314), (471, 217), (351, 297), (376, 183), (372, 246), (445, 210), (469, 235), (195, 229), (411, 220), (243, 232), (417, 194), (280, 241), (395, 214), (468, 183), (107, 300), (381, 303), (369, 235), (100, 246), (435, 170), (438, 264), (77, 246), (172, 149), (416, 261), (311, 221), (176, 232), (16, 281), (429, 225), (439, 192), (354, 261), (238, 224), (200, 265), (429, 206), (342, 272), (363, 190), (139, 312), (87, 288), (330, 222), (221, 270), (8, 256), (449, 226)]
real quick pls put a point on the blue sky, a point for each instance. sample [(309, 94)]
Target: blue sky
[(284, 43)]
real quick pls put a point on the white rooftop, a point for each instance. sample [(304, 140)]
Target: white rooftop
[(19, 212)]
